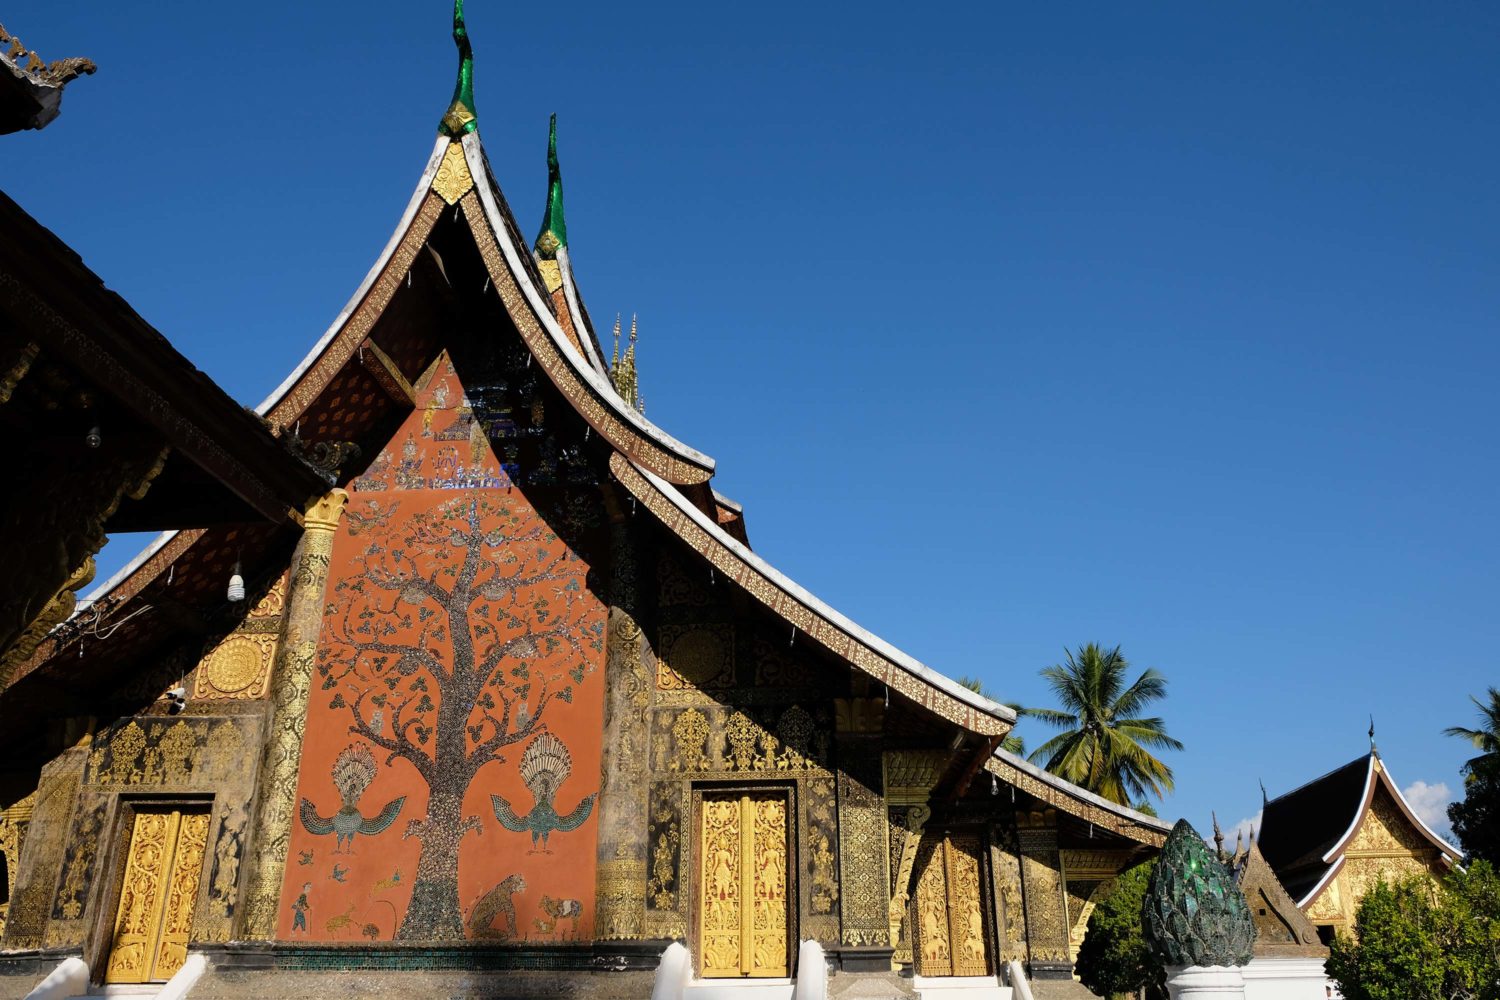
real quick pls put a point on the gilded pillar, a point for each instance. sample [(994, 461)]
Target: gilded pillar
[(910, 776), (1044, 894), (621, 891), (276, 789), (864, 847)]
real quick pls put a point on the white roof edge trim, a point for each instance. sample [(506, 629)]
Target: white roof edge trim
[(417, 198), (474, 153), (906, 662), (724, 501), (1125, 812), (1364, 797), (123, 573), (570, 291), (1327, 877), (1395, 790)]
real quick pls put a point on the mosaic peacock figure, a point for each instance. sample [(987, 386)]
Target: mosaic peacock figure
[(353, 770), (545, 765)]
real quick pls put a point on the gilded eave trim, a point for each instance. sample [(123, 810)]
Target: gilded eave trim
[(588, 390), (1075, 801), (357, 327), (810, 618)]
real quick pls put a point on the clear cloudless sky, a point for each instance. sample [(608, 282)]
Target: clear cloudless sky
[(1013, 326)]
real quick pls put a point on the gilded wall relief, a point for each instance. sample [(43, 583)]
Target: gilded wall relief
[(15, 819), (699, 657), (864, 882), (820, 858), (664, 834), (238, 666), (199, 754), (1006, 864), (461, 647), (1043, 895)]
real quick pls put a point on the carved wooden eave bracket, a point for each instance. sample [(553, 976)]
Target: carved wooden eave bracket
[(807, 615), (1069, 798)]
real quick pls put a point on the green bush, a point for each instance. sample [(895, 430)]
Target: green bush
[(1418, 940), (1114, 959)]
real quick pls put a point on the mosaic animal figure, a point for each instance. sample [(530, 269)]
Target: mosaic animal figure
[(554, 910), (498, 902), (382, 885), (545, 765), (353, 770), (338, 923)]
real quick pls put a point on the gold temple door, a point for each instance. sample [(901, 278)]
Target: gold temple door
[(154, 921), (742, 893), (948, 937)]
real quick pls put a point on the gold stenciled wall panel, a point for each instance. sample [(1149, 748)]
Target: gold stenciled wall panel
[(206, 756)]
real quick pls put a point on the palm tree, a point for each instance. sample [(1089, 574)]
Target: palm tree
[(1012, 743), (1485, 739), (1104, 745)]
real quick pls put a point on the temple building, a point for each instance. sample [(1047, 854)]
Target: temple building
[(1334, 837), (473, 671)]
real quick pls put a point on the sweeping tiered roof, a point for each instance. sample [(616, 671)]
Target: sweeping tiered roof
[(1305, 832), (458, 239)]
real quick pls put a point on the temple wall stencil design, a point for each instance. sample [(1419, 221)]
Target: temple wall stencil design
[(452, 755)]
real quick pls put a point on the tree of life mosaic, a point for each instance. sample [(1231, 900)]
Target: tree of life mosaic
[(454, 733)]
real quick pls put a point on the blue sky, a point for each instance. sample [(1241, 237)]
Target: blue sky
[(1014, 327)]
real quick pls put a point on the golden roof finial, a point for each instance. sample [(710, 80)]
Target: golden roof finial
[(622, 370)]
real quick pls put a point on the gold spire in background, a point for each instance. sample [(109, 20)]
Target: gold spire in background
[(622, 370)]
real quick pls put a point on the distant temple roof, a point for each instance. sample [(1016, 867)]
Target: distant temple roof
[(1281, 929), (31, 89), (1303, 833)]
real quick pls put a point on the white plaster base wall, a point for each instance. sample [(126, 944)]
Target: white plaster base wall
[(1205, 982), (1286, 979)]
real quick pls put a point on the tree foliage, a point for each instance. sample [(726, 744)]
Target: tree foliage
[(1476, 819), (1485, 739), (1417, 940), (1106, 743), (1114, 958)]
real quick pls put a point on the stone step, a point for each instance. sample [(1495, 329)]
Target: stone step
[(739, 989), (960, 988)]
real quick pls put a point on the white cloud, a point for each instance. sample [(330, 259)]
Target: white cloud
[(1430, 803), (1246, 826)]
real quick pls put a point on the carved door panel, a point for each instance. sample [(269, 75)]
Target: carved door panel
[(153, 924), (948, 923), (742, 885)]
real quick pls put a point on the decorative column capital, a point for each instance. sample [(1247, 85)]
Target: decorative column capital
[(324, 513)]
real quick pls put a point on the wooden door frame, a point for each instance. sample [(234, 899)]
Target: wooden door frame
[(712, 788), (105, 897)]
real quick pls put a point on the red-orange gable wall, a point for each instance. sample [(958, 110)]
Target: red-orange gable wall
[(387, 641)]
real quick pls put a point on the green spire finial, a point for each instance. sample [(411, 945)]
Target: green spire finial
[(554, 232), (460, 119)]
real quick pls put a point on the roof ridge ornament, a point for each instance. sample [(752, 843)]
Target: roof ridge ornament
[(554, 234), (460, 118)]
